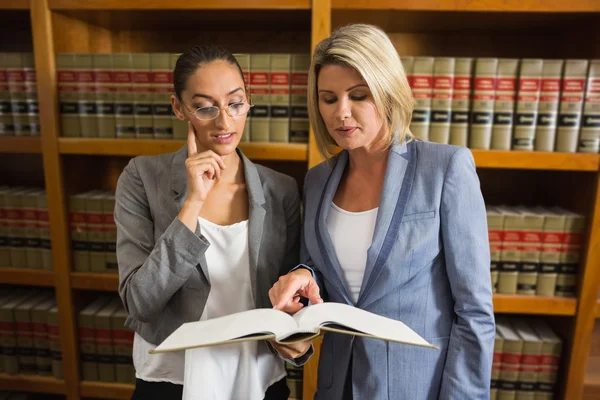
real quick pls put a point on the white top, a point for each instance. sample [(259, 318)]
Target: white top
[(228, 372), (352, 234)]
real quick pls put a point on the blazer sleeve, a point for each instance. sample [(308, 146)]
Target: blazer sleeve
[(150, 272), (467, 370)]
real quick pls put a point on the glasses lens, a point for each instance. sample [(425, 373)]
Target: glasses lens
[(237, 109), (207, 113)]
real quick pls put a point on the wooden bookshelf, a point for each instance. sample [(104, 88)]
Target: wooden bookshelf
[(23, 276), (134, 147), (191, 5), (103, 390), (470, 5), (22, 145), (39, 384), (597, 310), (508, 304), (536, 160), (95, 281), (14, 4)]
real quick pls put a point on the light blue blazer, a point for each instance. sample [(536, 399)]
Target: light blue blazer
[(428, 266)]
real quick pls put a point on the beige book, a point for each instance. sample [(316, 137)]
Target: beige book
[(104, 347), (5, 297), (86, 88), (510, 256), (180, 128), (496, 365), (162, 89), (24, 330), (461, 101), (504, 105), (8, 333), (29, 203), (31, 94), (122, 341), (545, 130), (279, 123), (552, 239), (55, 346), (528, 97), (260, 65), (550, 360), (110, 233), (422, 90), (299, 124), (105, 94), (17, 227), (4, 229), (44, 229), (95, 232), (566, 281), (79, 233), (6, 122), (39, 319), (122, 81), (67, 94), (244, 63), (441, 101), (408, 63), (482, 106), (142, 96), (495, 221), (530, 360), (512, 349), (531, 249), (18, 97), (571, 104), (589, 137), (87, 338)]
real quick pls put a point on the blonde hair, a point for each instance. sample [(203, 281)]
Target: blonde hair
[(369, 51)]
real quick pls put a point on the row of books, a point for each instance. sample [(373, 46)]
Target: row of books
[(19, 114), (507, 104), (24, 228), (526, 360), (127, 95), (93, 231), (29, 329), (534, 250)]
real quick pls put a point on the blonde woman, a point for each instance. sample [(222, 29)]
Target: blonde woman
[(394, 226)]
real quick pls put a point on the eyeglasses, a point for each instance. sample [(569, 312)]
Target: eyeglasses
[(209, 113)]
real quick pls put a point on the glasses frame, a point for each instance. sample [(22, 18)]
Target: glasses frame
[(219, 109)]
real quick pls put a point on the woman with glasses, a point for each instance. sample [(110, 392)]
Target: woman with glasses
[(203, 233)]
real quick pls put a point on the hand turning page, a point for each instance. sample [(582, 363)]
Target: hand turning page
[(264, 323)]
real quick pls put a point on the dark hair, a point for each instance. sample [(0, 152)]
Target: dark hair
[(194, 57)]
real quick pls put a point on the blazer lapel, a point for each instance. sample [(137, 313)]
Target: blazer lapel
[(396, 190), (332, 265)]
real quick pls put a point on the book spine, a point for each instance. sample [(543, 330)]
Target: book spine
[(16, 223), (259, 90), (461, 102), (95, 231), (162, 88), (441, 102), (86, 88), (43, 359), (122, 78), (8, 338), (496, 366), (422, 89), (18, 97), (552, 240), (545, 131), (25, 346), (506, 90), (142, 96), (511, 364), (104, 347), (299, 124), (5, 107), (32, 232), (79, 234), (482, 106), (4, 234), (279, 124), (122, 342), (530, 82), (495, 224), (87, 346), (589, 138), (566, 281), (530, 255), (104, 95), (31, 93), (510, 265), (110, 233), (67, 94), (54, 342), (571, 104), (44, 229)]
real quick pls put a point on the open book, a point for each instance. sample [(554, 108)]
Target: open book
[(264, 323)]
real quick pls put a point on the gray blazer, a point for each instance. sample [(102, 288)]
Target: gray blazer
[(163, 276)]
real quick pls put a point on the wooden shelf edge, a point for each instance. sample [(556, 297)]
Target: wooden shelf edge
[(136, 147), (17, 144), (95, 281), (106, 390), (597, 309), (24, 276), (38, 384), (515, 304), (467, 5), (536, 160), (14, 5), (170, 5)]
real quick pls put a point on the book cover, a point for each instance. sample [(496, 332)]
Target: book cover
[(95, 232), (259, 92), (104, 95), (25, 337), (571, 104), (589, 137), (39, 319), (504, 105), (15, 74), (86, 88), (104, 347), (441, 102), (29, 204), (16, 227), (510, 256), (531, 248), (4, 234), (123, 84), (142, 96), (550, 360), (44, 229), (530, 360), (528, 97), (496, 365), (33, 112), (461, 101), (552, 239), (162, 89), (495, 221), (67, 94), (87, 338), (512, 351), (482, 105), (110, 233), (545, 130), (279, 124), (122, 342), (54, 341), (566, 281)]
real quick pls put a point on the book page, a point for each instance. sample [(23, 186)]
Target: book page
[(342, 318), (256, 324)]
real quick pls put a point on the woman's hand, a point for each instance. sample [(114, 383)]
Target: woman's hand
[(285, 293), (292, 351)]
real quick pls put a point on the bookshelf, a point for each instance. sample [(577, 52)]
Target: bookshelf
[(478, 28)]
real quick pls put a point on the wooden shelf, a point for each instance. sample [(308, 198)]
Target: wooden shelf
[(554, 6), (39, 384), (22, 276), (509, 304), (170, 5), (592, 373), (134, 147), (103, 390), (95, 281), (13, 144), (14, 4), (536, 160), (597, 310)]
